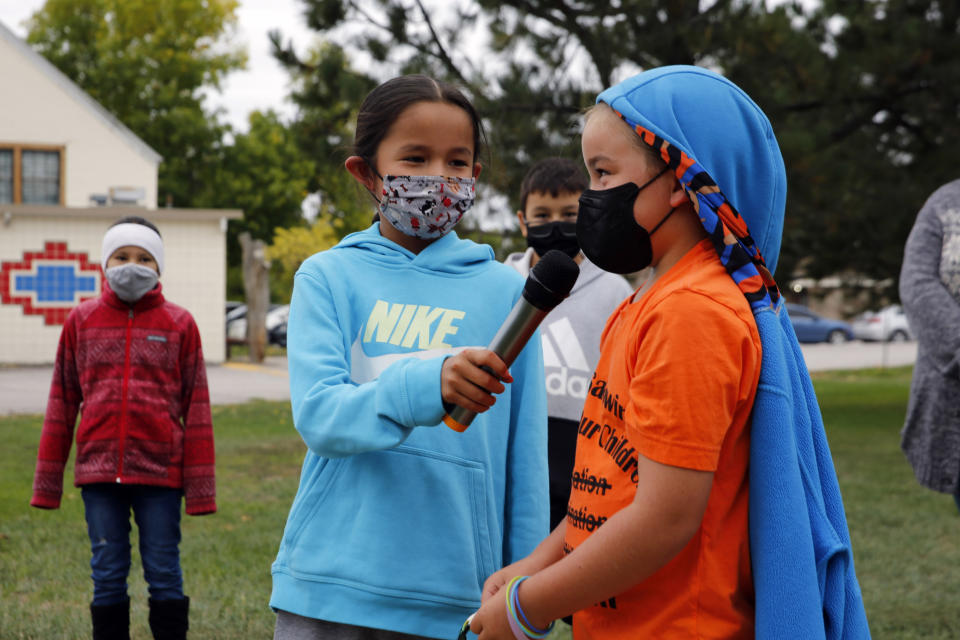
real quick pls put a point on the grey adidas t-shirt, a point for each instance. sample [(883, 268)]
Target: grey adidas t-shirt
[(571, 333)]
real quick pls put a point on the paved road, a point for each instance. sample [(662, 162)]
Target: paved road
[(24, 389), (858, 355)]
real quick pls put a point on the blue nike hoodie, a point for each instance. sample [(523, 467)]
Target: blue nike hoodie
[(722, 149), (398, 520)]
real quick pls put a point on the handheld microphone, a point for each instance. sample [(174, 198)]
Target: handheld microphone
[(549, 282)]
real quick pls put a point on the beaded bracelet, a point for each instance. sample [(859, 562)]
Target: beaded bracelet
[(466, 627), (519, 624)]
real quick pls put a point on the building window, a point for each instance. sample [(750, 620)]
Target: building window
[(31, 175), (6, 176), (41, 176)]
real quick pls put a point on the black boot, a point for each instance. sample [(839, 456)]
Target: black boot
[(168, 619), (111, 621)]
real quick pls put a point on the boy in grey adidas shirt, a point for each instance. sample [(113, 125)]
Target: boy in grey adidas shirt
[(549, 202)]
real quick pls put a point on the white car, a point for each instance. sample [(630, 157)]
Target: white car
[(237, 321), (886, 325)]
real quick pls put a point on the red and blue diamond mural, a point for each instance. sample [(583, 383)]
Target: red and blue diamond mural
[(50, 282)]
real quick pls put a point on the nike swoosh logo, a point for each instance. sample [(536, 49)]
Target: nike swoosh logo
[(364, 368)]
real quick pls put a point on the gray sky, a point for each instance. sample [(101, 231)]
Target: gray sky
[(261, 86)]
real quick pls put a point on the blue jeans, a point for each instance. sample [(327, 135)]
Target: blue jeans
[(156, 511)]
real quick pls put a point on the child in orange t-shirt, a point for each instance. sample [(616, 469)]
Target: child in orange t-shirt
[(655, 543)]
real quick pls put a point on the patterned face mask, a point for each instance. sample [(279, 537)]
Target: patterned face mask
[(425, 206)]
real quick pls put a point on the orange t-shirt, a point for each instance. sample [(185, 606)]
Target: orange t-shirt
[(676, 380)]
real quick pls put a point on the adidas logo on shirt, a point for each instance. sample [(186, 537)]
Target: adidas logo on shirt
[(568, 373)]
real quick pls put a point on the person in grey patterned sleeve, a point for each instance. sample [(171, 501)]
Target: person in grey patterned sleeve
[(930, 292)]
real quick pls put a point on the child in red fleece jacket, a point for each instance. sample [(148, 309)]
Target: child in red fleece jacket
[(133, 362)]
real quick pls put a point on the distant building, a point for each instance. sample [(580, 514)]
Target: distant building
[(69, 169)]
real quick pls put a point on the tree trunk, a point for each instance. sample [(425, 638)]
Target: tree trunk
[(256, 288)]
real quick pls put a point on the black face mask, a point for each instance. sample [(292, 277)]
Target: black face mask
[(607, 232), (553, 235)]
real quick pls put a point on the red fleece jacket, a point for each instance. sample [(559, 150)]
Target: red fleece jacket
[(136, 374)]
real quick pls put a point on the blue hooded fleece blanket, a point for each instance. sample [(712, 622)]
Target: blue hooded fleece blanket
[(723, 151)]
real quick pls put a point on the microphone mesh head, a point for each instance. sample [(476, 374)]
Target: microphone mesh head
[(551, 280)]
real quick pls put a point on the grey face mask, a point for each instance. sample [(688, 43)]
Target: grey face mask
[(131, 281)]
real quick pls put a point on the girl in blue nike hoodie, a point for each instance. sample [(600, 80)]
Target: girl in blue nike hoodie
[(398, 519)]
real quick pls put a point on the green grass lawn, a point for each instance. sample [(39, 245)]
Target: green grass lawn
[(906, 539), (45, 585)]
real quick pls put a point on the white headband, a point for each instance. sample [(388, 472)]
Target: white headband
[(129, 234)]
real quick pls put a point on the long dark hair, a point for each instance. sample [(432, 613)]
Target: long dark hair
[(383, 106)]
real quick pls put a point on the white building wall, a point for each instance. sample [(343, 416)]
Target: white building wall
[(194, 274), (40, 106), (195, 277)]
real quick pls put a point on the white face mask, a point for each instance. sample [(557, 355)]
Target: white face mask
[(425, 206), (131, 281)]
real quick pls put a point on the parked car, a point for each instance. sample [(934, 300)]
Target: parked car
[(236, 331), (812, 327), (278, 335), (237, 322), (889, 324)]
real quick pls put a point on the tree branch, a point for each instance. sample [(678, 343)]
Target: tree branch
[(285, 55), (366, 16), (442, 55), (874, 104)]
